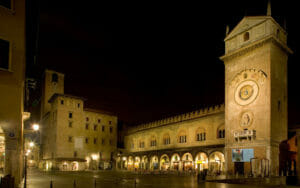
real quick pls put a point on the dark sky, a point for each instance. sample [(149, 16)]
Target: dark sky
[(146, 60)]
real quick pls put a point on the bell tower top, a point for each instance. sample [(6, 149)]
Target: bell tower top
[(252, 30)]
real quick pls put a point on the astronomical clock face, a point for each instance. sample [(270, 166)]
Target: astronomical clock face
[(246, 92)]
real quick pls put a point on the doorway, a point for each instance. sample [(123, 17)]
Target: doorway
[(239, 168)]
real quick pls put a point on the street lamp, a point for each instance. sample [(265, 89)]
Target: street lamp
[(31, 144), (36, 127)]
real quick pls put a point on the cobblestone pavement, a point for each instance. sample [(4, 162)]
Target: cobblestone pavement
[(116, 179)]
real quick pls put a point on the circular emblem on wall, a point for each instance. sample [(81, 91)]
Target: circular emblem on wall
[(246, 119), (246, 92)]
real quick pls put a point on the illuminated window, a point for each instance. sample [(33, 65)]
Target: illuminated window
[(5, 3), (4, 53)]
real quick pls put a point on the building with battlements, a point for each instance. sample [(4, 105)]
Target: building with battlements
[(254, 117)]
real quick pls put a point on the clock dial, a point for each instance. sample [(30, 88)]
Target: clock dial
[(246, 92)]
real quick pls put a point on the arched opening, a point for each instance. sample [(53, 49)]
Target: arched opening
[(137, 161), (201, 161), (124, 163), (187, 162), (175, 162), (200, 134), (74, 166), (166, 139), (130, 163), (154, 163), (221, 131), (164, 162), (145, 163), (2, 151), (216, 162), (182, 136), (152, 141)]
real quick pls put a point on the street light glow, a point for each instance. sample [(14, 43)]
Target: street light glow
[(36, 127), (31, 144)]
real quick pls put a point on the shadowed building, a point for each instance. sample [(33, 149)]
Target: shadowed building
[(12, 78), (73, 137)]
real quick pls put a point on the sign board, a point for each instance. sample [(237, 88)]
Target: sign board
[(242, 155)]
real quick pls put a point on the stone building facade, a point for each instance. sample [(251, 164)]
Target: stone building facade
[(12, 79), (74, 137), (254, 117)]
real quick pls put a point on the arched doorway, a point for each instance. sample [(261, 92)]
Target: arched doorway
[(164, 162), (175, 162), (201, 161), (154, 163), (137, 162), (145, 163), (124, 163), (2, 151), (187, 162), (130, 163), (216, 162)]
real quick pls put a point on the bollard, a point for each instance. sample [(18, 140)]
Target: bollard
[(74, 184), (51, 184)]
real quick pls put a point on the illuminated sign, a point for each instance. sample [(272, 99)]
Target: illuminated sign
[(242, 155)]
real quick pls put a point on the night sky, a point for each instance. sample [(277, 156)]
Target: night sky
[(146, 60)]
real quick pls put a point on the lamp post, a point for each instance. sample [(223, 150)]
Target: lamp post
[(35, 127)]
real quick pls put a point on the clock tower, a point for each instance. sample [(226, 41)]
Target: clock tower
[(255, 59)]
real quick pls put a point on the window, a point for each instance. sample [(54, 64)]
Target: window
[(70, 114), (70, 124), (78, 105), (99, 120), (201, 137), (87, 119), (75, 153), (54, 77), (62, 102), (86, 140), (246, 36), (95, 140), (110, 129), (110, 142), (182, 139), (109, 122), (132, 145), (221, 133), (166, 139), (87, 126), (4, 51), (142, 144), (103, 128), (70, 139), (153, 143), (5, 3), (103, 141), (95, 127)]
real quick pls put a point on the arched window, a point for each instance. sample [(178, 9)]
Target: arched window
[(152, 141), (166, 139), (200, 134), (221, 132), (54, 77), (182, 137), (141, 144), (246, 36)]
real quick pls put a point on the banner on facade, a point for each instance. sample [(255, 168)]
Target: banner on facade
[(242, 155)]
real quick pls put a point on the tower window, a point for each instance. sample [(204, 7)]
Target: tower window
[(246, 36), (62, 102), (70, 114), (87, 119), (78, 105), (95, 127), (87, 126), (99, 120), (54, 77), (4, 52)]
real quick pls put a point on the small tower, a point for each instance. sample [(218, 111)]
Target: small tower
[(53, 82), (255, 59)]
